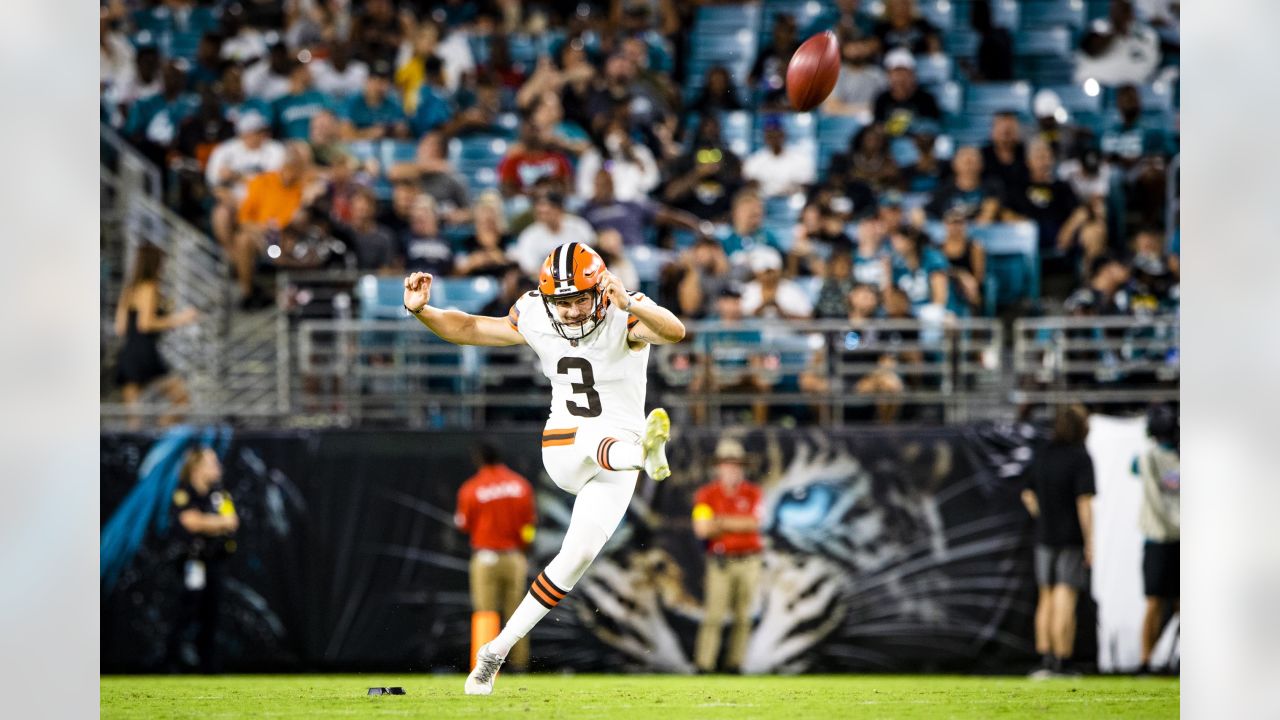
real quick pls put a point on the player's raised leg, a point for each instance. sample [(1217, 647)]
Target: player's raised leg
[(599, 508)]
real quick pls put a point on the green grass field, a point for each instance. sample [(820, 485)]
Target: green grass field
[(597, 697)]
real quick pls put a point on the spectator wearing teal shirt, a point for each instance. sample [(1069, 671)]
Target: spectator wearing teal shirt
[(748, 231), (237, 103), (153, 121), (375, 113), (292, 113), (919, 270), (1128, 140), (207, 66), (178, 24), (435, 108)]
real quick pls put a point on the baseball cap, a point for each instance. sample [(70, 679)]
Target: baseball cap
[(250, 122), (899, 58), (765, 258), (1046, 103)]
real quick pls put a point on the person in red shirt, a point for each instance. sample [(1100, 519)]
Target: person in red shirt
[(495, 508), (726, 516), (531, 159)]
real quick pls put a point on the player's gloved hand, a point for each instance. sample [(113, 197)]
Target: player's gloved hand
[(417, 291)]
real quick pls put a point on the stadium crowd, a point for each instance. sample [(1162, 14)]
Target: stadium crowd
[(461, 138)]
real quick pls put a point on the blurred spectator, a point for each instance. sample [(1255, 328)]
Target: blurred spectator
[(268, 78), (511, 285), (243, 43), (891, 213), (702, 275), (197, 136), (1155, 272), (819, 235), (868, 161), (925, 172), (422, 41), (848, 19), (485, 251), (631, 166), (499, 65), (919, 269), (726, 517), (432, 173), (871, 259), (1083, 237), (726, 361), (967, 262), (142, 315), (432, 105), (631, 219), (747, 230), (1044, 199), (1059, 495), (903, 28), (1119, 49), (1159, 470), (704, 180), (780, 169), (904, 100), (551, 228), (1085, 170), (718, 93), (768, 74), (423, 247), (619, 91), (232, 163), (966, 190), (1004, 159), (272, 200), (1105, 293), (115, 52), (294, 110), (375, 113), (1051, 121), (376, 31), (325, 138), (530, 160), (995, 45), (394, 215), (137, 80), (575, 76), (204, 522), (864, 367), (340, 75), (1139, 152), (861, 80), (566, 135), (207, 66), (609, 244), (153, 120), (769, 294), (481, 115), (837, 285), (374, 244), (238, 104)]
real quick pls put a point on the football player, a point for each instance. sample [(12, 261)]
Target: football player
[(592, 339)]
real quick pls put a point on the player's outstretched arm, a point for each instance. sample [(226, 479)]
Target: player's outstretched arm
[(455, 326), (657, 326)]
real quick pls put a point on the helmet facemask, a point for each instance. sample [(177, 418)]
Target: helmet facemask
[(579, 331)]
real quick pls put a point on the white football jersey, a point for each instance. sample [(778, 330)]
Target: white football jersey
[(599, 380)]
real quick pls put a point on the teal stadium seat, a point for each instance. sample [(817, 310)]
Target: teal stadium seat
[(1052, 13)]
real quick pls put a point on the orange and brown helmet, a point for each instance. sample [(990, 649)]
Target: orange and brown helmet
[(570, 270)]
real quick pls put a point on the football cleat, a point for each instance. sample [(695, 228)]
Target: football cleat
[(657, 431), (480, 681)]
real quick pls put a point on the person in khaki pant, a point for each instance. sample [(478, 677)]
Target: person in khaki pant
[(726, 517), (496, 508)]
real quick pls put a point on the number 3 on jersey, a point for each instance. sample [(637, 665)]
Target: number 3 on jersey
[(586, 387)]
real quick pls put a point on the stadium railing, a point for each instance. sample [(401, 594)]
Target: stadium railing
[(1096, 360)]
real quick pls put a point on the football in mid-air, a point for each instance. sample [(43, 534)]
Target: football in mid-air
[(812, 72)]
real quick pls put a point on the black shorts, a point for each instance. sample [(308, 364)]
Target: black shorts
[(1061, 566), (1160, 575)]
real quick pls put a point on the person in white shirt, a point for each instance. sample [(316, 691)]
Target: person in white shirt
[(552, 227), (268, 78), (630, 164), (233, 162), (340, 74), (861, 80), (771, 295), (780, 169), (1119, 50)]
